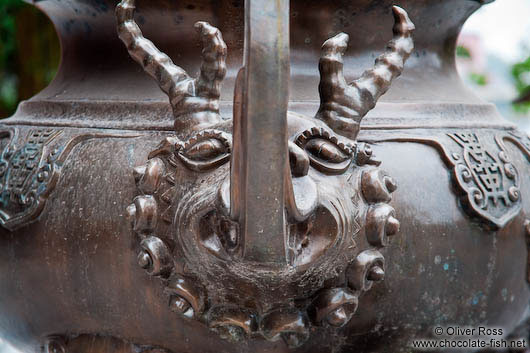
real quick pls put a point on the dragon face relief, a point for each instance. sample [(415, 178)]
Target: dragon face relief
[(319, 163), (188, 238), (334, 213)]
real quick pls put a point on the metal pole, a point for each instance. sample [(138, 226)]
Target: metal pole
[(260, 156)]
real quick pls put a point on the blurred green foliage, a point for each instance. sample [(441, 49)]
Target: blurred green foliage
[(8, 85), (478, 79), (521, 76), (462, 52), (8, 8), (29, 53)]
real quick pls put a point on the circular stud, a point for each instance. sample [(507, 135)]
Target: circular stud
[(290, 325), (377, 186), (368, 267), (149, 177), (232, 323), (143, 214), (155, 257), (185, 298), (381, 223), (335, 306)]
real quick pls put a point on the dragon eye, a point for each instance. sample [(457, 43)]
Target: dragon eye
[(206, 150), (325, 152)]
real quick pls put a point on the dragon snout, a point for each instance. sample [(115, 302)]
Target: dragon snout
[(301, 204), (301, 196)]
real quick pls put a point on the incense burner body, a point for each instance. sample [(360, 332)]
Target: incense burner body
[(432, 194)]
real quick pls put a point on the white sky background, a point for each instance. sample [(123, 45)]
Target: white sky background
[(504, 26)]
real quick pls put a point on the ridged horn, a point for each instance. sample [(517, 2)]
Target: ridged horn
[(195, 101), (343, 105)]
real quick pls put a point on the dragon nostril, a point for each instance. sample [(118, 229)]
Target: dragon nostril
[(298, 160), (219, 235)]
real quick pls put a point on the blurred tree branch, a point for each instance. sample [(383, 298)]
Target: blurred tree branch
[(521, 75)]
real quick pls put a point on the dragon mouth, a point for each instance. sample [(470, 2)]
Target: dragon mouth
[(309, 240), (306, 241)]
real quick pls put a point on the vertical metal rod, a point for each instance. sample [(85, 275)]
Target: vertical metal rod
[(260, 156)]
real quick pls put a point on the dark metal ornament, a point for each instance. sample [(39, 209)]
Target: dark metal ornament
[(257, 217), (216, 241)]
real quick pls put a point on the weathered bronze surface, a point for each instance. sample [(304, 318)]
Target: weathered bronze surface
[(244, 197)]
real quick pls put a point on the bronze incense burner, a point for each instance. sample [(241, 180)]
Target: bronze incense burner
[(258, 193)]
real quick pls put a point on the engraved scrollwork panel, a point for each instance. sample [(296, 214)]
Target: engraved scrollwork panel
[(31, 160), (485, 175), (486, 180), (28, 170)]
